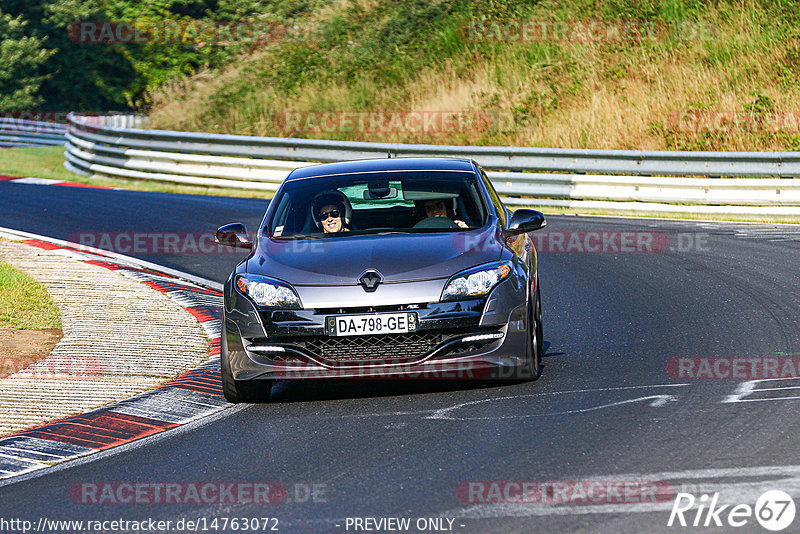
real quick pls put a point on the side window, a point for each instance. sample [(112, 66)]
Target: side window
[(280, 217), (498, 205), (473, 203), (289, 217)]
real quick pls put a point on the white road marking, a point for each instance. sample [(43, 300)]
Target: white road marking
[(658, 401), (391, 426), (733, 490), (36, 181), (762, 231), (745, 389)]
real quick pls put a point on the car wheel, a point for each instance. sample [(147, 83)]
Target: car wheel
[(236, 391), (253, 390), (535, 338)]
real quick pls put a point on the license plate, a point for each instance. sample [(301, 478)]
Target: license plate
[(373, 323)]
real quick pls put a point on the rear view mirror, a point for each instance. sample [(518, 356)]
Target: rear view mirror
[(379, 189), (524, 221), (233, 235)]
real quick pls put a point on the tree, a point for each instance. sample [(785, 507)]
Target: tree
[(21, 58), (54, 69)]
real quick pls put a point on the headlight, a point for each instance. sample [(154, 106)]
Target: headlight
[(266, 291), (477, 281)]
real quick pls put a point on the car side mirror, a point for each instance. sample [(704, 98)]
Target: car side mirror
[(524, 221), (233, 235)]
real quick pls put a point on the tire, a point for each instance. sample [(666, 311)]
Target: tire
[(236, 391), (535, 335), (253, 390)]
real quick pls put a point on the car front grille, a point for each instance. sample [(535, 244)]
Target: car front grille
[(375, 349), (393, 347)]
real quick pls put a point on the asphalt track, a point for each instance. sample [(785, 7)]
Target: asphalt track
[(605, 411)]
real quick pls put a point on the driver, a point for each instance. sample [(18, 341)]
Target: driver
[(435, 208), (330, 213)]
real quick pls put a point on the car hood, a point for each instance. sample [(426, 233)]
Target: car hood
[(398, 257)]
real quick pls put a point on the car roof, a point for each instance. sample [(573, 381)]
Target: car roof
[(383, 164)]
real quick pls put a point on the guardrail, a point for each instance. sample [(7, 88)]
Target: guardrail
[(94, 146), (23, 132)]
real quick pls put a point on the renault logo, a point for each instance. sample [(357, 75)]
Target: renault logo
[(370, 280)]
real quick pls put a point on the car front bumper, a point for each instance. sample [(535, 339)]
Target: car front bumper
[(470, 339)]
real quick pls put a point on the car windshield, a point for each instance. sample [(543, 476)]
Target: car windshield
[(375, 203)]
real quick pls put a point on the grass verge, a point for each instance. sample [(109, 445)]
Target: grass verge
[(48, 162), (45, 162), (24, 302)]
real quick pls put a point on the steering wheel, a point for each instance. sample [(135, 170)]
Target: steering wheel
[(436, 222)]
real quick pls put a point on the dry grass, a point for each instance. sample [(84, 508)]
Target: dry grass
[(559, 94)]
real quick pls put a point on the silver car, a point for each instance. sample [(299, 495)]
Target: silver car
[(385, 268)]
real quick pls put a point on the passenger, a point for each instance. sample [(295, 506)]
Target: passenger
[(436, 208)]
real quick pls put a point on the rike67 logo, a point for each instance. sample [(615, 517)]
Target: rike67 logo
[(774, 510)]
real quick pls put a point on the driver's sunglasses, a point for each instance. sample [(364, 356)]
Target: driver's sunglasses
[(325, 214)]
